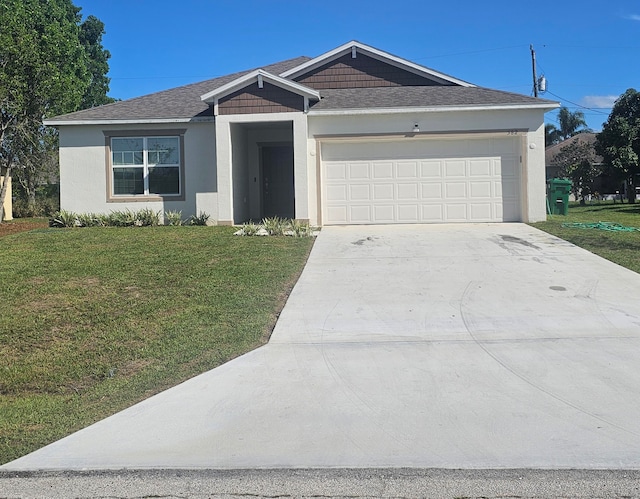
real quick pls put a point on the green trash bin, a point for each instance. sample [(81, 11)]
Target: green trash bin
[(558, 190)]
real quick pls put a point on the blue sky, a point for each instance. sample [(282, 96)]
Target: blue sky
[(588, 50)]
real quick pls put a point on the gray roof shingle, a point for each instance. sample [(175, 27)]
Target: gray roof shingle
[(185, 103), (175, 103), (431, 96)]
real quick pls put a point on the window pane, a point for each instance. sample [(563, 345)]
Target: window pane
[(163, 150), (128, 181), (126, 151), (164, 180)]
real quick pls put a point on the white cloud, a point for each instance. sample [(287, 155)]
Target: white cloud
[(633, 17), (599, 101)]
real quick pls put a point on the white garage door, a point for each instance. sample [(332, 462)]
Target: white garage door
[(421, 181)]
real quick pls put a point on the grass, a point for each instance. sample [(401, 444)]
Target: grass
[(622, 248), (94, 320)]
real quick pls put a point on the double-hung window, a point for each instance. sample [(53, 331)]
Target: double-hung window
[(145, 166)]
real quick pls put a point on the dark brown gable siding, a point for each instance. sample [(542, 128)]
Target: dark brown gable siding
[(361, 72), (254, 100)]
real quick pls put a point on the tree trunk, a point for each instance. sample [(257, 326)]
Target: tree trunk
[(3, 189)]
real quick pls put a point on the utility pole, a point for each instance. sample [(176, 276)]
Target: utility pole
[(533, 66)]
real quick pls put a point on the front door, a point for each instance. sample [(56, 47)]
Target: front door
[(277, 182)]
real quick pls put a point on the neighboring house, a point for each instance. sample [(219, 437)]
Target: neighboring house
[(603, 184), (354, 136)]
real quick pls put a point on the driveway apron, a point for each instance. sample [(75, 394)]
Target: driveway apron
[(431, 346)]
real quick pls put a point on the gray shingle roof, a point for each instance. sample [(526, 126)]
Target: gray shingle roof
[(180, 102), (185, 103), (431, 96)]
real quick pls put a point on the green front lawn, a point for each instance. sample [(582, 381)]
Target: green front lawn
[(620, 247), (94, 320)]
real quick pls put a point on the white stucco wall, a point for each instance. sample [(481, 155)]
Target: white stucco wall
[(528, 124), (83, 170)]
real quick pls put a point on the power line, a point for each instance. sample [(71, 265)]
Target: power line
[(579, 105)]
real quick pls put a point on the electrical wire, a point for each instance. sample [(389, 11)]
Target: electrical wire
[(578, 105)]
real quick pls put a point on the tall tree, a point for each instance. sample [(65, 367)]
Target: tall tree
[(44, 71), (91, 31), (577, 162), (619, 141), (551, 135), (570, 123)]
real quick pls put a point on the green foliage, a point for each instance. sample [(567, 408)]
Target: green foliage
[(619, 141), (122, 218), (275, 226), (299, 229), (91, 31), (63, 218), (46, 69), (577, 162), (250, 229), (173, 218), (200, 219)]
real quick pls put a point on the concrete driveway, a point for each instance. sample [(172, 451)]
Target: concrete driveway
[(432, 346)]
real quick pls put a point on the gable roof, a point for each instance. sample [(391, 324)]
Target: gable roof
[(193, 102), (551, 152), (258, 75), (176, 104), (354, 47)]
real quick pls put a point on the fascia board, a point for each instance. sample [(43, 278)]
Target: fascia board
[(377, 54), (55, 122), (434, 109), (245, 80)]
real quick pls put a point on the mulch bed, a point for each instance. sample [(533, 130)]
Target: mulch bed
[(15, 226)]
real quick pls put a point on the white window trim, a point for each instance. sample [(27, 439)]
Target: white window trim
[(145, 135)]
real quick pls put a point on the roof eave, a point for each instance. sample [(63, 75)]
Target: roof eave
[(137, 121), (431, 109), (243, 81)]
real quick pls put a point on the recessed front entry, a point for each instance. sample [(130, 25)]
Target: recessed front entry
[(277, 181)]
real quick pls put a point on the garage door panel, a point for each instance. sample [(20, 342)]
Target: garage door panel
[(455, 168), (360, 214), (383, 192), (408, 213), (456, 212), (431, 169), (407, 192), (360, 192), (337, 193), (384, 213), (480, 168), (407, 170), (432, 213), (431, 191), (383, 170), (421, 181), (336, 171), (481, 211), (480, 190), (455, 190), (359, 171)]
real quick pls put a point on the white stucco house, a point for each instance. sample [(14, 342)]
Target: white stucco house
[(353, 136)]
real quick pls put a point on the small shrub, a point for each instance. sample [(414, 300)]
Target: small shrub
[(173, 217), (147, 218), (63, 218), (299, 228), (275, 226), (200, 219), (90, 220), (250, 229), (121, 218)]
